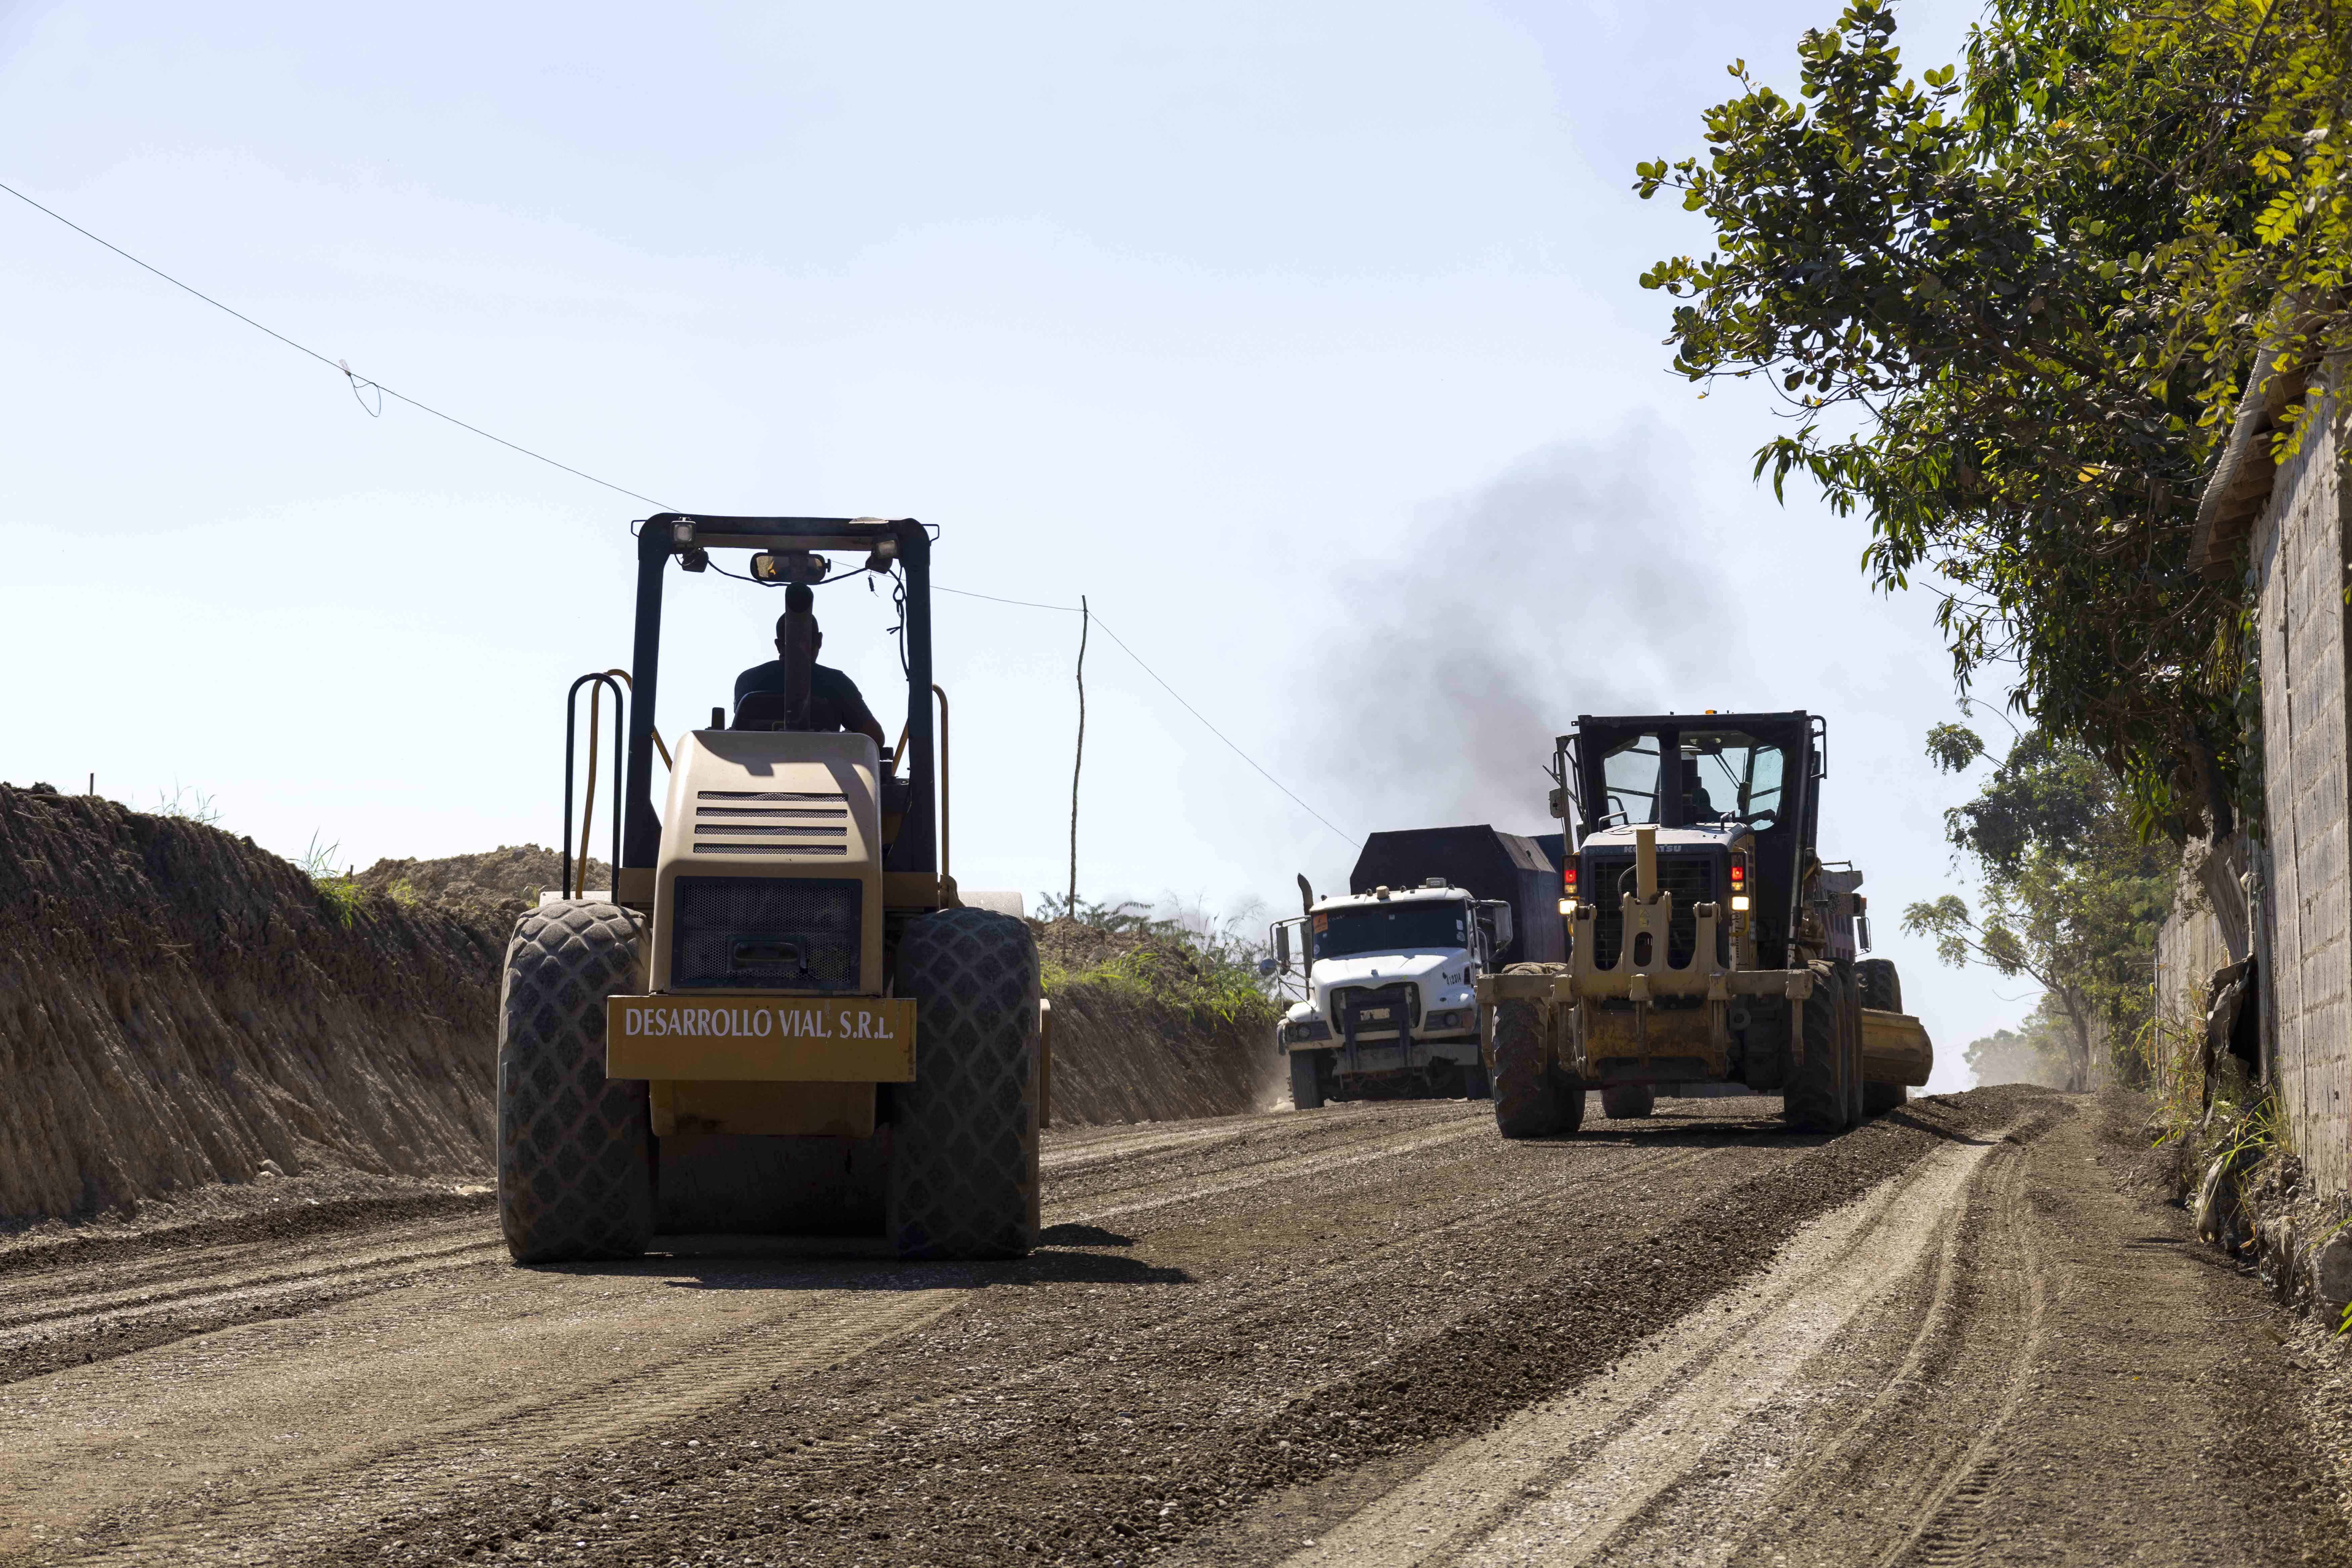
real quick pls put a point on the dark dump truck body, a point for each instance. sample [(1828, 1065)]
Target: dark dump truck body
[(1390, 967), (1508, 867)]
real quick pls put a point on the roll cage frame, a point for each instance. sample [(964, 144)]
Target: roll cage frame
[(684, 537), (1781, 848)]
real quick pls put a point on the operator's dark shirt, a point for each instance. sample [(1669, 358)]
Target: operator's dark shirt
[(834, 702)]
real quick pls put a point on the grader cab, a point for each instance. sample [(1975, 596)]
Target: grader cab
[(779, 1019)]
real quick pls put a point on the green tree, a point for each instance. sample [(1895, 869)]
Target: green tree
[(2072, 894), (2012, 312)]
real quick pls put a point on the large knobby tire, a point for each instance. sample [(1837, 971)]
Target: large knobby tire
[(1532, 1099), (1306, 1080), (575, 1148), (1857, 1096), (1818, 1096), (963, 1135), (1628, 1101), (1882, 988)]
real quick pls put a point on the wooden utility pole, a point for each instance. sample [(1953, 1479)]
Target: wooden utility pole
[(1086, 624)]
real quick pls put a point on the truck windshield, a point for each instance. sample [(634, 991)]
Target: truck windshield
[(1400, 928), (1730, 776)]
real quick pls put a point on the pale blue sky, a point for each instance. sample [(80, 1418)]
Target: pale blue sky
[(1305, 340)]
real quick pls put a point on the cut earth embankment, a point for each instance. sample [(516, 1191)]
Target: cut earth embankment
[(179, 1007)]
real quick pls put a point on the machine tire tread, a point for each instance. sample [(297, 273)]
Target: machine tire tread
[(575, 1148), (1306, 1080), (1882, 988), (1815, 1098), (1532, 1097), (1628, 1102), (963, 1154)]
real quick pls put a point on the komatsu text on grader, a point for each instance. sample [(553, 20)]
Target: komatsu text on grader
[(1707, 941), (779, 1020)]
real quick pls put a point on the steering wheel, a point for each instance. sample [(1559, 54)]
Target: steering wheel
[(1768, 816)]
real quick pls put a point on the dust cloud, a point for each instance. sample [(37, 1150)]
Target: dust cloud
[(1581, 580)]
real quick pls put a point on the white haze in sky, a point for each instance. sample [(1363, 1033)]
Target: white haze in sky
[(1304, 340)]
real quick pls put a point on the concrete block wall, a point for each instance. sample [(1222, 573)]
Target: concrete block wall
[(2297, 553)]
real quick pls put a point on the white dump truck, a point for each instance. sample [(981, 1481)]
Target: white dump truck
[(1391, 969)]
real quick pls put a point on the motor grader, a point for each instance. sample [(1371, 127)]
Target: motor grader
[(1707, 941), (779, 1019)]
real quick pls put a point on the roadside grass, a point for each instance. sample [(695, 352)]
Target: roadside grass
[(336, 890), (188, 804), (1191, 962)]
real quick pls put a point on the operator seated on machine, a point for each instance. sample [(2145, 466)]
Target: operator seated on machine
[(834, 702)]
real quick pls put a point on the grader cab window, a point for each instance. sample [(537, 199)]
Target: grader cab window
[(1629, 781), (1730, 776)]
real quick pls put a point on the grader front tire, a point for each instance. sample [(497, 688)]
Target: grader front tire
[(964, 1149), (575, 1148), (1628, 1102), (1532, 1097)]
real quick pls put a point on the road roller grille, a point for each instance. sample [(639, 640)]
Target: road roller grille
[(753, 933), (770, 822)]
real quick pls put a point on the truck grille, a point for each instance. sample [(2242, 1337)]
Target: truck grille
[(1375, 1009), (1690, 878), (756, 933)]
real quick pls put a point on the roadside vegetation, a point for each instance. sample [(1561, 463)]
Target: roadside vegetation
[(2071, 896), (2011, 305), (1175, 955)]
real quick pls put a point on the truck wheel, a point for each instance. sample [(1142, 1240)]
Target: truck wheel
[(1878, 1099), (1817, 1097), (1882, 988), (575, 1148), (1532, 1099), (963, 1135), (1628, 1101), (1306, 1080)]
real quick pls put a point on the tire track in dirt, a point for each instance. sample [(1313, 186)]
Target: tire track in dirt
[(269, 1438), (435, 1407), (1589, 1477), (98, 1311)]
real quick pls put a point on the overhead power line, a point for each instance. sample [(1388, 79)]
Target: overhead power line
[(357, 381), (1195, 713)]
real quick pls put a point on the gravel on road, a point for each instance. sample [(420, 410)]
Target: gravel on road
[(1373, 1333)]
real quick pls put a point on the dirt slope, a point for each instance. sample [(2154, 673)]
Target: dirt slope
[(1371, 1334), (1152, 1042), (177, 1007), (501, 883)]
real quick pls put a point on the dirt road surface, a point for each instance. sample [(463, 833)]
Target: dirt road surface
[(1372, 1334)]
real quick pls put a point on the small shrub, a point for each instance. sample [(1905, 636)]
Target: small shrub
[(337, 890)]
